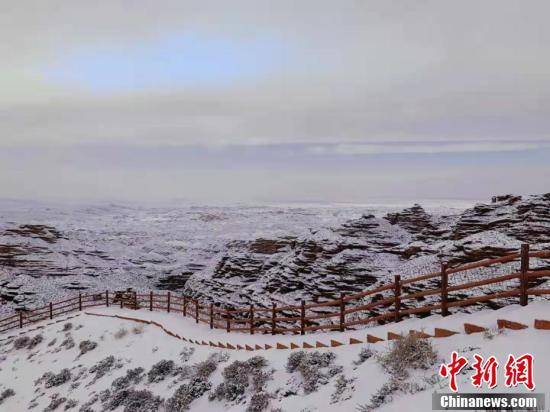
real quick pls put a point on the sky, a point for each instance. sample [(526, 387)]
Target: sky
[(274, 101)]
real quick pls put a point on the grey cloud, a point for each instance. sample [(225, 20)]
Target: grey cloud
[(358, 78)]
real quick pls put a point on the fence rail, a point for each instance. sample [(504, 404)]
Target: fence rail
[(390, 302)]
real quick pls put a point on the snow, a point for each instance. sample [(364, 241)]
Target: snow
[(18, 370), (238, 256), (113, 246)]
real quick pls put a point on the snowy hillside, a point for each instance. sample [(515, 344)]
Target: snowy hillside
[(90, 363), (235, 256)]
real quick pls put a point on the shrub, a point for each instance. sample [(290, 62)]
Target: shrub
[(68, 343), (133, 401), (86, 346), (55, 402), (207, 367), (104, 395), (133, 376), (51, 379), (87, 407), (71, 403), (160, 370), (103, 367), (489, 334), (186, 353), (237, 377), (387, 391), (7, 393), (119, 334), (364, 355), (67, 327), (410, 352), (21, 342), (343, 389), (186, 394), (35, 341), (310, 366), (259, 402)]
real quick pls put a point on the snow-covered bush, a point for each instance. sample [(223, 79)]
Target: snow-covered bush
[(186, 394), (56, 400), (35, 341), (259, 402), (364, 355), (343, 389), (409, 352), (6, 394), (238, 376), (68, 342), (316, 368), (103, 367), (86, 346), (119, 334), (385, 394), (160, 370), (21, 342), (133, 401), (489, 334), (71, 403), (133, 376), (67, 327), (87, 406), (51, 379), (207, 367), (186, 353)]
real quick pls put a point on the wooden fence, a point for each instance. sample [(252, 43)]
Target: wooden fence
[(420, 295)]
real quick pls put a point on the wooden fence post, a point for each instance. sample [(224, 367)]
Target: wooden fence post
[(211, 316), (51, 310), (168, 303), (342, 314), (151, 297), (524, 280), (135, 300), (20, 319), (228, 323), (273, 315), (184, 305), (107, 298), (121, 300), (397, 291), (80, 301), (444, 287), (196, 311), (252, 319), (303, 318)]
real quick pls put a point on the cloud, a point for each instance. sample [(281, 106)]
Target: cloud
[(282, 82), (428, 148)]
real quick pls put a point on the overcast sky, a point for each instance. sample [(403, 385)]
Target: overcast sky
[(273, 101)]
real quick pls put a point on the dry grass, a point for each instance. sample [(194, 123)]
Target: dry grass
[(119, 334)]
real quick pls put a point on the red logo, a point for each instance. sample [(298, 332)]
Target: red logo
[(520, 370), (517, 371), (452, 369)]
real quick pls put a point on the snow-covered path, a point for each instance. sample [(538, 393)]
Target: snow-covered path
[(145, 345), (186, 327)]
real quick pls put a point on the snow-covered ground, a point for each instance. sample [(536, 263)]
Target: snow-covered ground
[(113, 246), (261, 255), (341, 385)]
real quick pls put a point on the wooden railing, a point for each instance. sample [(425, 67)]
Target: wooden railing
[(420, 295)]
